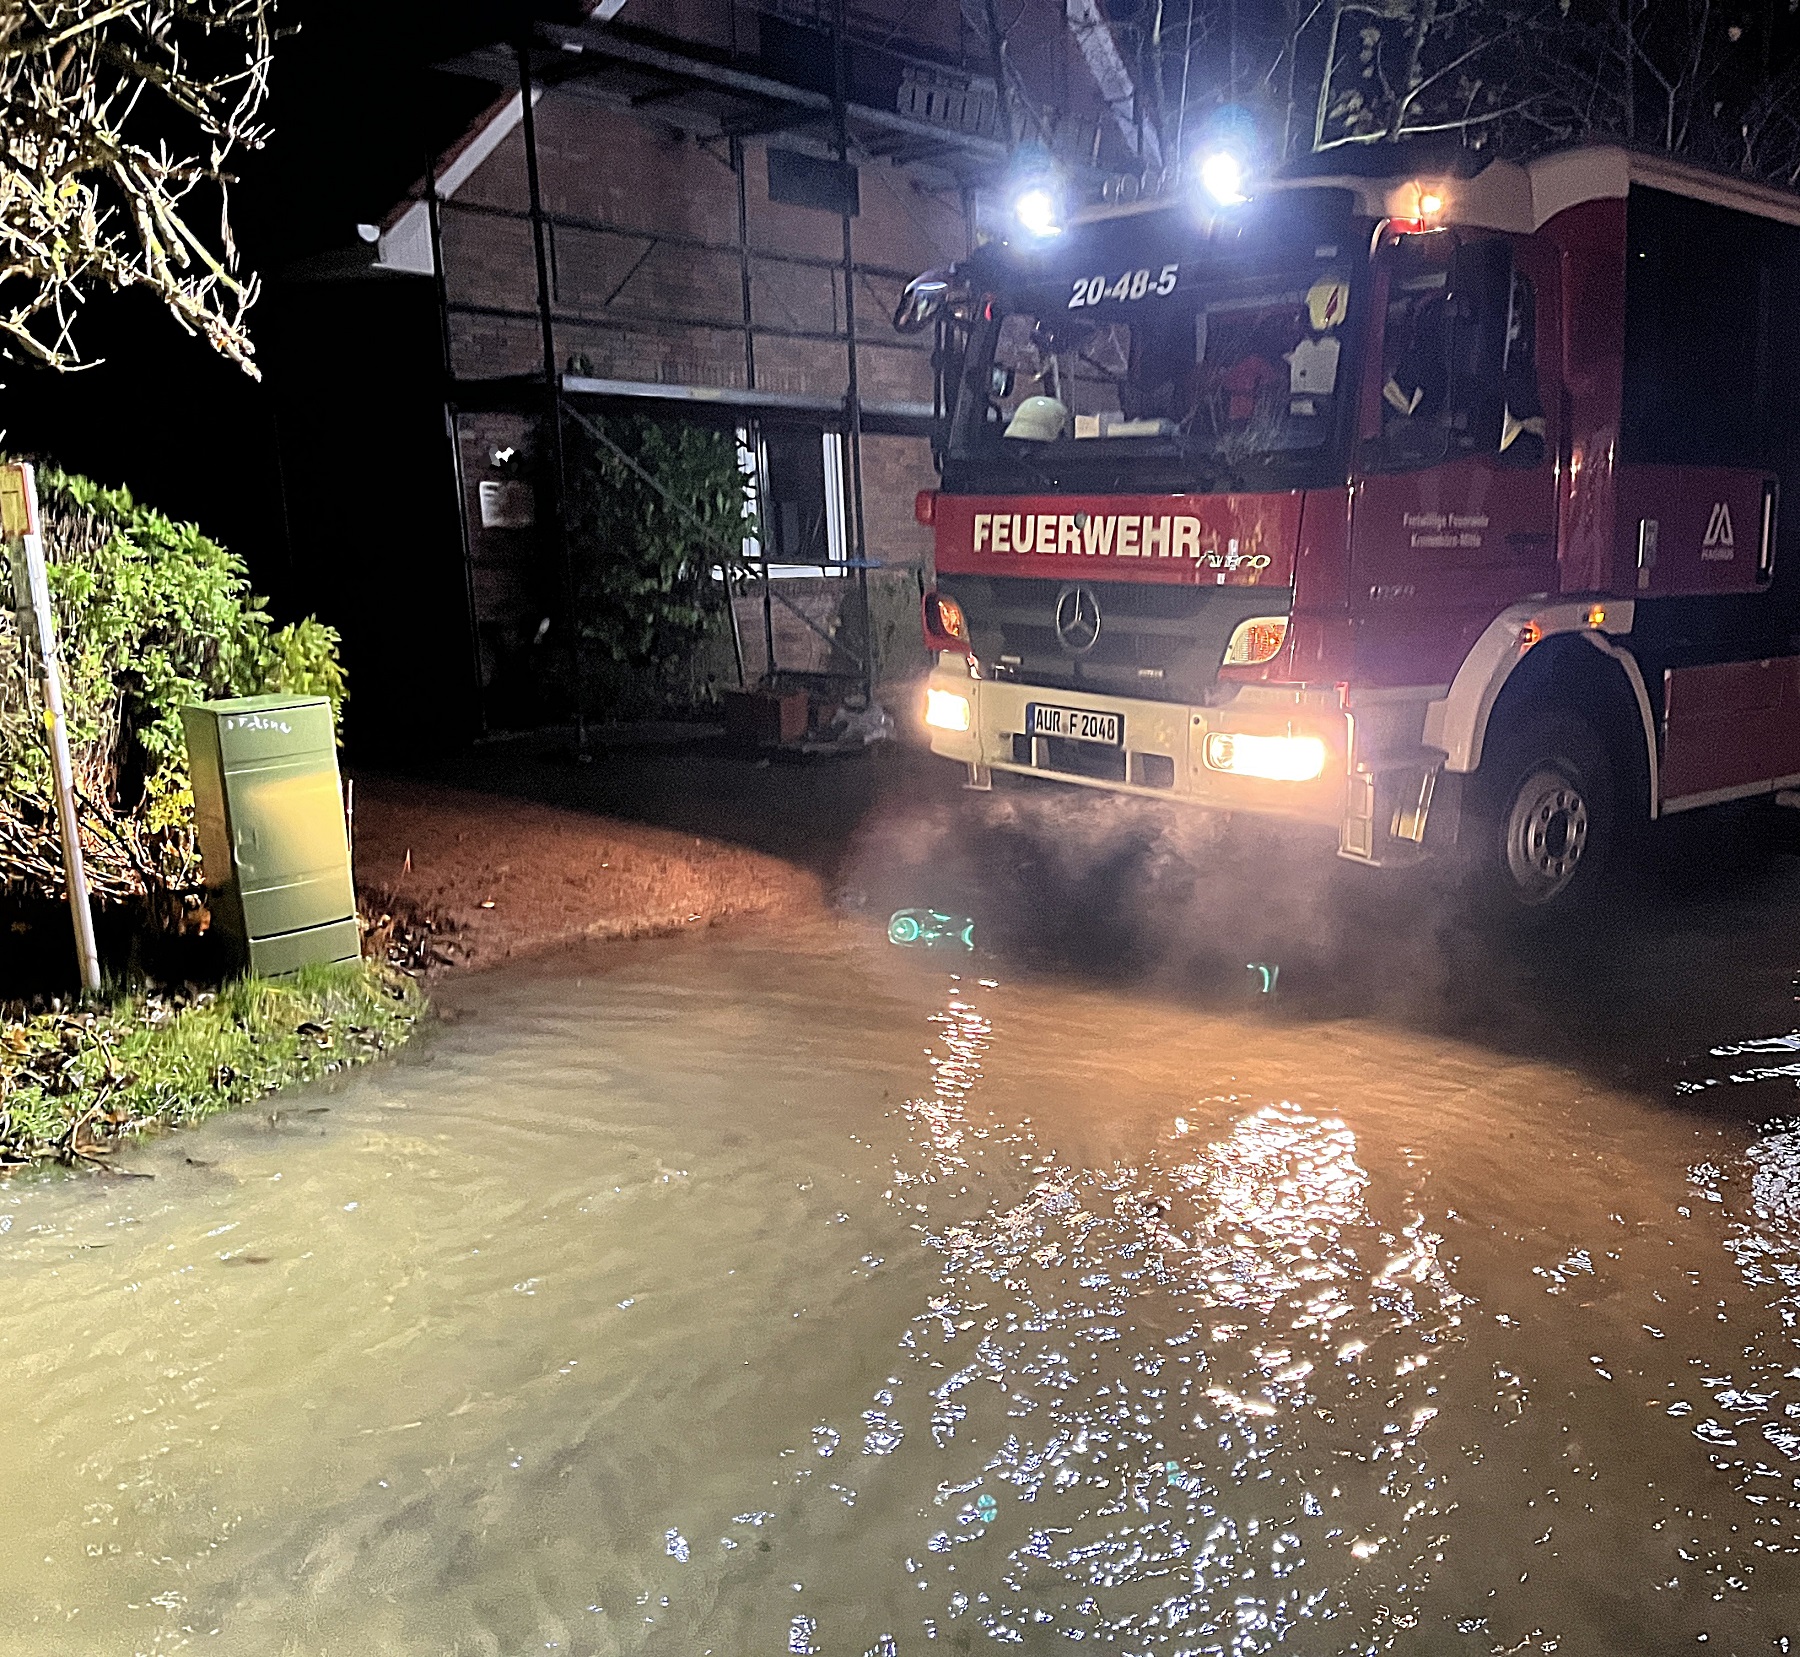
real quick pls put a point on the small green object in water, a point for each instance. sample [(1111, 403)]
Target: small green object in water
[(931, 929), (985, 1508)]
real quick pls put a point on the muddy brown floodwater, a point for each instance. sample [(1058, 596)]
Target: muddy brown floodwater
[(782, 1291)]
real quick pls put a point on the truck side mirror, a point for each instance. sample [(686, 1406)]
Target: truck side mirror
[(1479, 288), (924, 298)]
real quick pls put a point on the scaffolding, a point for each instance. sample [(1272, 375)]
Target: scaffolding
[(867, 103)]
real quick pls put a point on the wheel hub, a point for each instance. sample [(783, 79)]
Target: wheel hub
[(1546, 835)]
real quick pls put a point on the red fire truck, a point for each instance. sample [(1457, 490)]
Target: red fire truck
[(1438, 511)]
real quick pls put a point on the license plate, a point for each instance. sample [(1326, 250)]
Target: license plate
[(1076, 724)]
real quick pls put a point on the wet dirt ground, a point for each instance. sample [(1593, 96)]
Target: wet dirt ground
[(1223, 1256)]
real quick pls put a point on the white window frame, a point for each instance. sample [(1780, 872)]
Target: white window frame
[(753, 462)]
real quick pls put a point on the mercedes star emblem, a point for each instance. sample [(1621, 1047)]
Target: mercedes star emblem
[(1077, 620)]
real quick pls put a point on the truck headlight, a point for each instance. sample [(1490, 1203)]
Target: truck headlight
[(950, 712), (1273, 758)]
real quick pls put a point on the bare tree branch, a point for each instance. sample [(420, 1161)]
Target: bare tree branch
[(93, 95)]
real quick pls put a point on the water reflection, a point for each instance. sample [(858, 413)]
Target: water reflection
[(1179, 1401), (748, 1297), (930, 928), (1745, 1413), (1244, 1287), (1192, 1399)]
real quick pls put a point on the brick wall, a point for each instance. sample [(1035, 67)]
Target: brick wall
[(638, 308), (895, 469), (632, 307)]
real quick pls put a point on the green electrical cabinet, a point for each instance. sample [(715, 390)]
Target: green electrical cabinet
[(270, 816)]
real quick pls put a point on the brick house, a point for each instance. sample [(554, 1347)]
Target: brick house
[(706, 210)]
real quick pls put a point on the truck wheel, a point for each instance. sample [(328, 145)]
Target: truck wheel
[(1546, 818)]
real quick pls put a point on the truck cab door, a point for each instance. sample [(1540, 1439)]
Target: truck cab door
[(1454, 502)]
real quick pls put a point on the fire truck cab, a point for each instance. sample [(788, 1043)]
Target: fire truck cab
[(1441, 512)]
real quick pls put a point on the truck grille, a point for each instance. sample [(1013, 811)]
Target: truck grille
[(1158, 641)]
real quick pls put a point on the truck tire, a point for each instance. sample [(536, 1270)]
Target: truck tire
[(1546, 817)]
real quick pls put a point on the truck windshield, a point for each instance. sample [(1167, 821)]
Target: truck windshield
[(1172, 374)]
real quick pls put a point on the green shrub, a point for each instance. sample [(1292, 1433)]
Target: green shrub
[(151, 615), (643, 552)]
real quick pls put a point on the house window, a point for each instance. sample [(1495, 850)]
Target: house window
[(799, 492)]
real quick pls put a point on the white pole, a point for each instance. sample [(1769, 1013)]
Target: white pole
[(37, 624)]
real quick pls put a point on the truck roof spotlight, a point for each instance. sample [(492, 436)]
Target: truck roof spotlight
[(1222, 177), (1038, 211)]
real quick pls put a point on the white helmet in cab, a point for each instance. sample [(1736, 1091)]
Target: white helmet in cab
[(1038, 420)]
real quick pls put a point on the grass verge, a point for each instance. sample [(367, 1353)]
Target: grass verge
[(73, 1084)]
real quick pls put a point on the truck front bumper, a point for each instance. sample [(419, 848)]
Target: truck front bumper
[(1165, 752)]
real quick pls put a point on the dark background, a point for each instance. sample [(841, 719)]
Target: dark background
[(332, 475)]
